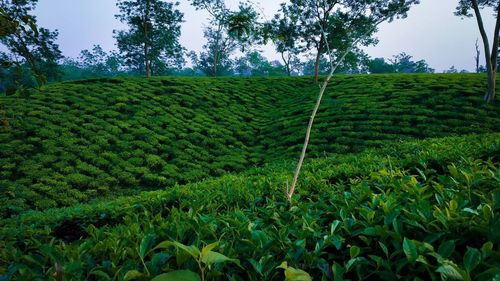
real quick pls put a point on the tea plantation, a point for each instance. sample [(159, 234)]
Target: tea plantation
[(77, 141), (419, 210), (184, 178)]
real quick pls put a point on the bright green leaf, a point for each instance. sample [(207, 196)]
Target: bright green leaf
[(354, 251), (208, 248), (293, 274), (371, 231), (132, 274), (212, 257), (449, 272), (410, 250), (334, 226), (146, 244), (191, 250)]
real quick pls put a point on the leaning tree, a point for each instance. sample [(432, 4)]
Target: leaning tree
[(27, 44), (361, 20), (491, 54)]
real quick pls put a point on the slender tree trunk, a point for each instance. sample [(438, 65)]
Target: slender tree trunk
[(494, 56), (490, 67), (218, 49), (146, 39), (291, 189), (147, 61), (318, 58), (216, 62), (287, 63), (478, 54)]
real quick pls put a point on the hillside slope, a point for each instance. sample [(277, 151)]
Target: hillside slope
[(426, 209), (81, 140)]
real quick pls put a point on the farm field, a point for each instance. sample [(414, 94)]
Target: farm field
[(184, 179), (77, 141)]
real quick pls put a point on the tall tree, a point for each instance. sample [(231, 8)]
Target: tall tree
[(152, 41), (215, 59), (284, 34), (99, 63), (379, 65), (339, 19), (227, 30), (403, 63), (376, 12), (255, 64), (27, 44), (491, 54)]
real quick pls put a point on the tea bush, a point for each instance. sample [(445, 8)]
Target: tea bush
[(104, 138), (417, 210)]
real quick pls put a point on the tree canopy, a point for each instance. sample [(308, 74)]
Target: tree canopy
[(227, 31), (320, 25), (29, 47), (151, 42)]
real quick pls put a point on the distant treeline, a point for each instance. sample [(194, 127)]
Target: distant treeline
[(99, 63)]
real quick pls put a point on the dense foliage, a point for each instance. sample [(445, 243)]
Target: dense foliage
[(29, 54), (419, 210), (332, 28), (77, 141), (151, 42)]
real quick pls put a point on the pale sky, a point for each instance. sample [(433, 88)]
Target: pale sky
[(430, 32)]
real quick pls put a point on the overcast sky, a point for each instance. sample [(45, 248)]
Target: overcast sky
[(430, 32)]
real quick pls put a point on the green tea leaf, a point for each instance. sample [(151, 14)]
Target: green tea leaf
[(132, 274), (146, 244), (208, 248), (293, 274), (371, 231), (212, 257), (338, 272), (256, 265), (472, 259), (178, 275), (354, 251), (384, 248), (350, 263), (410, 250), (191, 250), (334, 226), (449, 272), (446, 249), (487, 247)]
